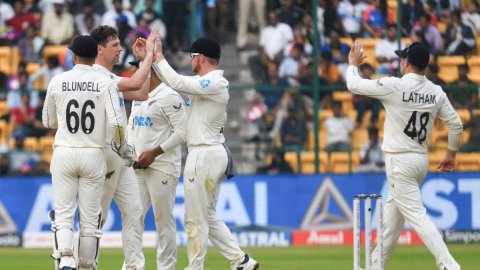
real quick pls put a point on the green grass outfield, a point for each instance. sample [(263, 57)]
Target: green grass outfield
[(291, 258)]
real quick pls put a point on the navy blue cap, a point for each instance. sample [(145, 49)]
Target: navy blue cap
[(416, 54), (207, 46), (84, 46)]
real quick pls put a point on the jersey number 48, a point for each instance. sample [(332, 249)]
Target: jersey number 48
[(411, 128)]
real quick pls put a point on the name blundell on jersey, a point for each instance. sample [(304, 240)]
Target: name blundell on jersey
[(419, 98), (80, 86)]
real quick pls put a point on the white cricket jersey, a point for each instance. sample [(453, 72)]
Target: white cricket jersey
[(412, 103), (80, 104), (121, 100), (206, 104), (159, 121)]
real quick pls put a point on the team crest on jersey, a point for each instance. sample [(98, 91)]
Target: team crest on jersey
[(187, 102), (204, 83), (142, 121), (137, 103)]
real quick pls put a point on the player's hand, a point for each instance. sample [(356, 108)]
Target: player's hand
[(146, 158), (448, 162), (125, 151), (139, 49), (150, 43), (158, 51), (356, 57)]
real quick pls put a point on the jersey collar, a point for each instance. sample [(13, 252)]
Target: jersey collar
[(101, 68), (414, 77), (82, 66)]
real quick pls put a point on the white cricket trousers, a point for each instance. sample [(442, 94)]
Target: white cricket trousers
[(76, 172), (157, 189), (405, 173), (123, 187), (203, 174)]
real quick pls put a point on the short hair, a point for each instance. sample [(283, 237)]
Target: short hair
[(103, 34)]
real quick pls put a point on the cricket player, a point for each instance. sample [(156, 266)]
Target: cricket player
[(121, 183), (157, 130), (208, 160), (79, 104), (412, 103)]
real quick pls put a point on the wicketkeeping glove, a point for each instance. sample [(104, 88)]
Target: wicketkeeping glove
[(125, 151)]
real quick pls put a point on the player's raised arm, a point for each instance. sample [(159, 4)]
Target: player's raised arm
[(359, 85), (136, 87), (188, 84)]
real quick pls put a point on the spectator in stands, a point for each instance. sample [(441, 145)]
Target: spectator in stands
[(473, 143), (430, 7), (362, 103), (463, 93), (175, 19), (217, 18), (289, 13), (17, 85), (351, 14), (21, 118), (109, 17), (47, 71), (327, 70), (6, 12), (292, 96), (432, 74), (307, 28), (293, 67), (278, 164), (339, 51), (376, 18), (243, 18), (22, 161), (155, 20), (30, 45), (293, 131), (339, 129), (273, 88), (372, 158), (471, 17), (254, 115), (419, 36), (410, 12), (331, 20), (57, 27), (459, 37), (273, 39), (21, 21), (299, 39), (385, 52), (87, 16), (432, 35)]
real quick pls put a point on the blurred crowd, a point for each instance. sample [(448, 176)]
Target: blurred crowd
[(281, 110)]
